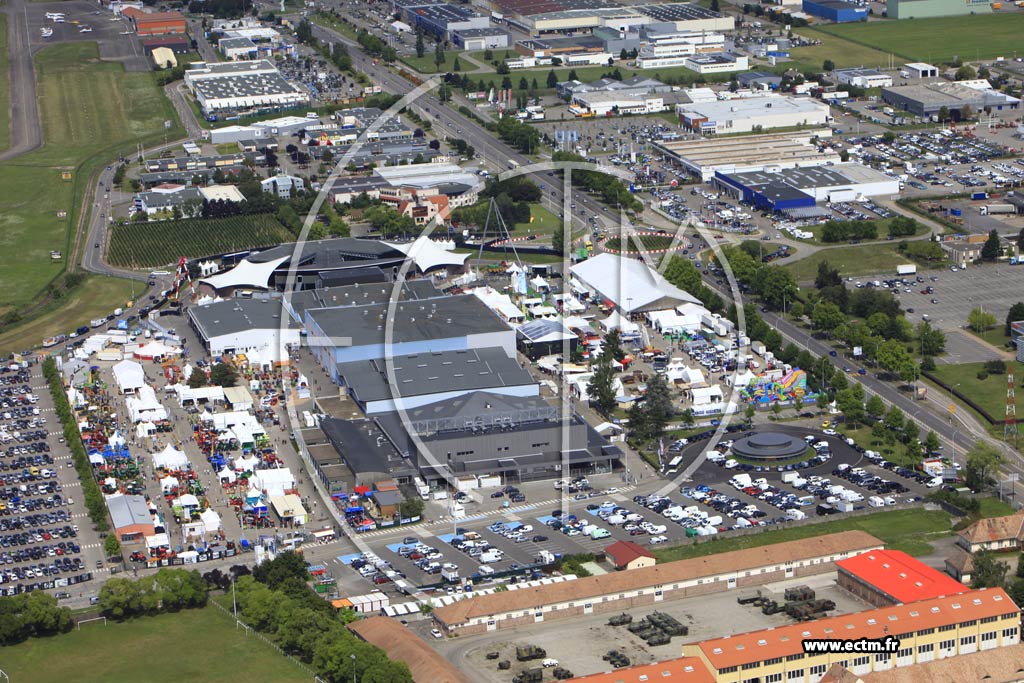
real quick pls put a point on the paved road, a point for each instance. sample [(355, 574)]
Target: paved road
[(448, 121), (25, 129)]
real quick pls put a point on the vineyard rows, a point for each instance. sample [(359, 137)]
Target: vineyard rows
[(146, 245)]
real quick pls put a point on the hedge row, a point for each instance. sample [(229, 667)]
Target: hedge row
[(94, 502)]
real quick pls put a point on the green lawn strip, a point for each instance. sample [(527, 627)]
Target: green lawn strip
[(883, 234), (981, 36), (427, 65), (91, 111), (995, 337), (5, 87), (94, 298), (989, 393), (192, 645), (851, 260), (843, 53), (906, 529)]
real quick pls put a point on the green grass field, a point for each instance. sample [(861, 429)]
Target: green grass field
[(851, 261), (843, 53), (427, 65), (5, 127), (995, 337), (145, 245), (981, 36), (196, 645), (91, 111), (96, 297), (906, 530), (989, 393)]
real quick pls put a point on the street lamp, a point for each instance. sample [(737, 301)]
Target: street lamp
[(353, 667), (951, 404)]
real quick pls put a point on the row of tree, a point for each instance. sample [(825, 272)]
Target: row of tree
[(94, 502), (169, 590), (29, 615), (609, 188), (276, 601)]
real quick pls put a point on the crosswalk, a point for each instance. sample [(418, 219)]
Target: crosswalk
[(92, 545)]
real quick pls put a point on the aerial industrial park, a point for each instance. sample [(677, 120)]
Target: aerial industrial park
[(512, 341)]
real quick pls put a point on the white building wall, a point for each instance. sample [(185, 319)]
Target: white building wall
[(254, 340)]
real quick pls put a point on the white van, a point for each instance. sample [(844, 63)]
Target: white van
[(876, 502)]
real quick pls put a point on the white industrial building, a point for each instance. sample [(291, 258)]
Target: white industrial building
[(589, 104), (672, 48), (717, 63), (255, 327), (919, 70), (864, 78), (753, 113), (236, 86), (705, 157)]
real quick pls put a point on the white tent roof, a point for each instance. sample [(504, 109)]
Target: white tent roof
[(246, 464), (499, 303), (170, 458), (188, 501), (227, 474), (129, 375), (616, 321), (156, 348), (275, 481), (545, 330), (145, 405), (426, 254), (157, 540), (629, 283), (144, 429), (168, 483), (116, 438), (211, 520), (245, 274), (95, 459)]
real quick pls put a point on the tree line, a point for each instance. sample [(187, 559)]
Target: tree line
[(30, 615), (94, 502), (609, 188)]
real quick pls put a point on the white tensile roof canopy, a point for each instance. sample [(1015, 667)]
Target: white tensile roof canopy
[(245, 274), (427, 255), (630, 284)]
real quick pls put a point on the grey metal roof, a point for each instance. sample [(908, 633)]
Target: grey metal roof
[(364, 447), (360, 295), (179, 198), (244, 85), (677, 12), (231, 43), (439, 318), (433, 373), (239, 315), (481, 32), (128, 510), (326, 253)]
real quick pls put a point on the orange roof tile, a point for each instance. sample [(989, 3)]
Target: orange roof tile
[(682, 670), (878, 623), (900, 576), (668, 572), (402, 645)]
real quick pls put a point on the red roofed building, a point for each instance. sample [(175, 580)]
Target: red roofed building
[(682, 670), (629, 555), (155, 23), (890, 577)]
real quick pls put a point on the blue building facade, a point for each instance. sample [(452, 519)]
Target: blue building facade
[(835, 10)]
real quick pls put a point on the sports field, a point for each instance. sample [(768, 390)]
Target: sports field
[(980, 36), (91, 111), (192, 645)]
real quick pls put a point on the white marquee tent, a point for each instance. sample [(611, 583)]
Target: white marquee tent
[(129, 376), (170, 458)]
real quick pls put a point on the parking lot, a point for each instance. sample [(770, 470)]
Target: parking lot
[(721, 496), (41, 543), (579, 645), (953, 295)]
